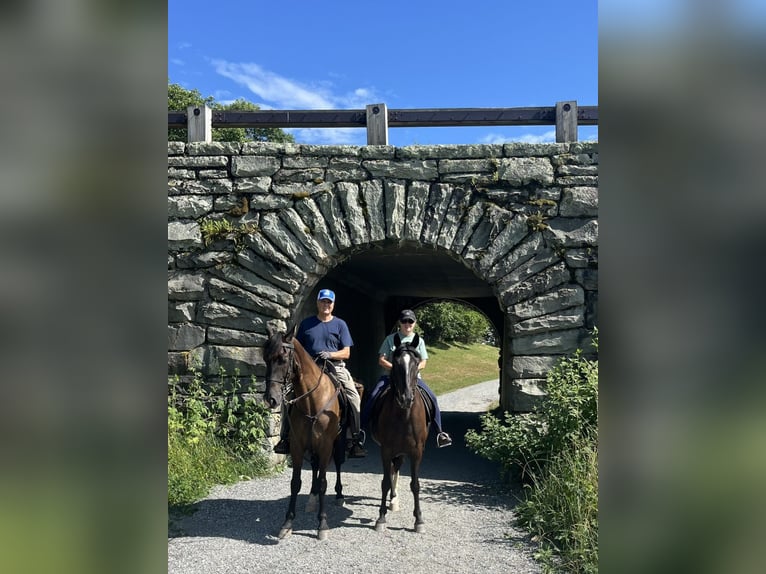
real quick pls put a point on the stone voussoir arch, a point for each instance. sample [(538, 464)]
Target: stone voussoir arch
[(521, 217)]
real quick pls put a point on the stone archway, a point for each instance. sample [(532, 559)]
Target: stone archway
[(520, 219)]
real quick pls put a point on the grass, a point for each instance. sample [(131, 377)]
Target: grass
[(453, 366)]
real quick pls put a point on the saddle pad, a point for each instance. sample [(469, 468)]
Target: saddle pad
[(426, 401)]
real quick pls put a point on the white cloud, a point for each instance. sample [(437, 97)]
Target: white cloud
[(329, 136), (283, 93), (177, 62), (271, 87), (546, 137)]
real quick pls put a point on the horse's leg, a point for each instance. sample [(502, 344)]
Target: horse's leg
[(295, 487), (396, 464), (324, 529), (415, 459), (385, 486), (339, 454), (311, 503)]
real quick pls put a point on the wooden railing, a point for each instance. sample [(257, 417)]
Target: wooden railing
[(377, 118)]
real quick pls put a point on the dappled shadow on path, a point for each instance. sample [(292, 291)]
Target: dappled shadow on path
[(452, 476), (254, 521)]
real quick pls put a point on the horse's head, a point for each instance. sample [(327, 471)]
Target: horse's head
[(404, 370), (278, 355)]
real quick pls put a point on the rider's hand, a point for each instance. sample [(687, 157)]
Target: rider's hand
[(324, 355)]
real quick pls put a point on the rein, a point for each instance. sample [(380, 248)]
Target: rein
[(289, 376)]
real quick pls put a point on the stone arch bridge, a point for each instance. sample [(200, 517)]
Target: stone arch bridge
[(255, 229)]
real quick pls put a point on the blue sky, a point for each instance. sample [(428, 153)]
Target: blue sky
[(419, 54)]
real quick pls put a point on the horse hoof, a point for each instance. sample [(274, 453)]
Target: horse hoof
[(340, 501), (285, 532), (420, 528), (394, 506), (380, 527), (322, 534)]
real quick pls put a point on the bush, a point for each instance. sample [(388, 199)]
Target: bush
[(523, 443), (453, 322), (555, 450), (215, 436)]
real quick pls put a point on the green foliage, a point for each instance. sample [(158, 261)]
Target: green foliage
[(556, 450), (569, 413), (446, 321), (215, 436), (179, 98)]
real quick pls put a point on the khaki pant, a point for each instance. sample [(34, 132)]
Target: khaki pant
[(347, 381)]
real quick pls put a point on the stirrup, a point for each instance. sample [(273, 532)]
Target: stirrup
[(443, 439)]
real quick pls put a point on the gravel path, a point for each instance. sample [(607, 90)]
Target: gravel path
[(468, 514)]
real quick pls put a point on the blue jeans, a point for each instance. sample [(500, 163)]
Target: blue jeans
[(379, 388)]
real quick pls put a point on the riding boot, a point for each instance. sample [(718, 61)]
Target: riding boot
[(357, 436), (283, 446)]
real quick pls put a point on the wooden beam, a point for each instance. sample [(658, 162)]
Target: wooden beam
[(290, 119), (566, 121), (199, 123), (377, 124), (547, 115)]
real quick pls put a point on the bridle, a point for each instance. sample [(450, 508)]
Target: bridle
[(395, 387), (287, 382)]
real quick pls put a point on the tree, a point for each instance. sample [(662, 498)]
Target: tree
[(179, 98), (452, 322)]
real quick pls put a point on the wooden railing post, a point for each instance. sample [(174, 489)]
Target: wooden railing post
[(377, 124), (199, 123), (566, 121)]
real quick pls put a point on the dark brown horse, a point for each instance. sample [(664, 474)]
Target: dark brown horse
[(400, 427), (315, 422)]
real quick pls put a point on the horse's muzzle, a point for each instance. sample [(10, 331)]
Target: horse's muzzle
[(272, 401)]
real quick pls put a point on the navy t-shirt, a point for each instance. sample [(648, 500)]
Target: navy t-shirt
[(317, 336)]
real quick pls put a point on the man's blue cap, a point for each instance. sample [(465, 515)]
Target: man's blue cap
[(326, 294)]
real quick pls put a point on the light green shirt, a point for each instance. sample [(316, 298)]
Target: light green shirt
[(388, 347)]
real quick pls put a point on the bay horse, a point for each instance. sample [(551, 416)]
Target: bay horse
[(399, 425), (315, 421)]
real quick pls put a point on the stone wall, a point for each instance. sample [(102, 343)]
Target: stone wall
[(522, 217)]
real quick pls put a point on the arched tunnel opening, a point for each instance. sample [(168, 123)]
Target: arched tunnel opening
[(373, 286)]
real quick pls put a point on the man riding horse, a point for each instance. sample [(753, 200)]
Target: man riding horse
[(327, 338)]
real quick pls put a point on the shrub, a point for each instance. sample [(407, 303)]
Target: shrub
[(215, 436), (555, 449), (452, 322), (523, 443)]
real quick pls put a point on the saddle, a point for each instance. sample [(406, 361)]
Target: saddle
[(426, 401), (329, 369)]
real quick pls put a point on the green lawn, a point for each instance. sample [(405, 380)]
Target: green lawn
[(454, 366)]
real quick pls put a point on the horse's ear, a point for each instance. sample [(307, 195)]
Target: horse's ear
[(291, 332), (416, 340), (397, 340)]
